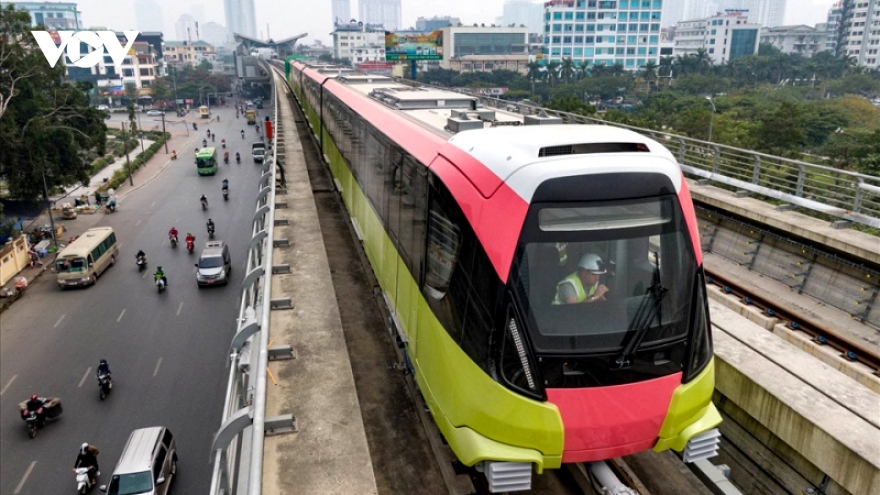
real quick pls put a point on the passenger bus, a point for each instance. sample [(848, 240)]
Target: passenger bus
[(204, 112), (206, 161), (83, 260)]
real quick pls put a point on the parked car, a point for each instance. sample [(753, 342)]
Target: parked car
[(155, 113), (104, 107)]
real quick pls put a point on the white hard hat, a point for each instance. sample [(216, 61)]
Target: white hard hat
[(592, 263)]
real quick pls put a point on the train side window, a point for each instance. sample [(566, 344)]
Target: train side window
[(357, 139), (444, 241), (393, 191), (414, 211), (371, 174)]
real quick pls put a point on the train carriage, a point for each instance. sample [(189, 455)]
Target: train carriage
[(472, 235)]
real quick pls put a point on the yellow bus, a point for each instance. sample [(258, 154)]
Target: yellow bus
[(83, 260), (204, 112)]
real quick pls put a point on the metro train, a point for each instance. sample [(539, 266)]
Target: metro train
[(546, 281)]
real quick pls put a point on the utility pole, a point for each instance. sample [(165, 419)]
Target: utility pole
[(163, 132), (51, 219), (125, 145)]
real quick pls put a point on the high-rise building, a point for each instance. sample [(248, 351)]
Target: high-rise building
[(832, 25), (214, 33), (524, 13), (148, 15), (673, 12), (54, 15), (384, 12), (185, 28), (601, 33), (861, 32), (725, 37), (435, 23), (767, 13), (240, 17), (359, 42), (341, 10)]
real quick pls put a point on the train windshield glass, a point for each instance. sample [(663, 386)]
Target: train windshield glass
[(590, 275)]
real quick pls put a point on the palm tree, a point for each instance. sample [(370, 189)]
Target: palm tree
[(649, 72), (666, 66), (566, 69), (583, 70), (533, 75), (599, 70), (617, 70), (702, 60), (553, 71)]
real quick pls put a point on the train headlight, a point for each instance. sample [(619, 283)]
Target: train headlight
[(700, 350)]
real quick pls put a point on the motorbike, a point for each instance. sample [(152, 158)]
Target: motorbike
[(204, 204), (105, 384), (50, 411), (237, 158), (111, 206), (190, 246), (224, 144), (174, 155), (195, 126), (226, 159), (160, 284), (210, 232), (83, 483), (225, 193), (141, 263), (173, 240)]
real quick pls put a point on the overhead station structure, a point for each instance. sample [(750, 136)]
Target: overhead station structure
[(253, 79)]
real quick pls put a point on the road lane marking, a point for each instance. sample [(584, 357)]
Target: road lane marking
[(156, 371), (120, 316), (138, 223), (152, 205), (84, 377), (144, 275), (59, 320), (8, 384), (179, 308), (176, 220), (24, 478), (121, 244)]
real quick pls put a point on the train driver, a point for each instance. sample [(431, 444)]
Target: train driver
[(583, 285)]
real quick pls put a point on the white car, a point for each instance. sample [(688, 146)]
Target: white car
[(155, 113), (104, 107)]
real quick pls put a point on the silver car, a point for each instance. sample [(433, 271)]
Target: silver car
[(214, 264), (147, 465)]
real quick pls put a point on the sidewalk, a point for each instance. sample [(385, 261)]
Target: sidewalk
[(144, 175)]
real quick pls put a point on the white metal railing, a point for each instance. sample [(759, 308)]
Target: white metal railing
[(839, 193), (235, 454)]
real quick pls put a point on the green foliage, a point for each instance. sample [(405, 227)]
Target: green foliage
[(783, 131), (121, 175), (46, 123), (572, 104)]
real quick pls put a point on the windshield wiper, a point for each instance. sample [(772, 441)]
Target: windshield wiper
[(645, 315)]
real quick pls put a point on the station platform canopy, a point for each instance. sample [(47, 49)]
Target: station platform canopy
[(282, 47)]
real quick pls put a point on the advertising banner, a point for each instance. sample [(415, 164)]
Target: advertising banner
[(405, 47)]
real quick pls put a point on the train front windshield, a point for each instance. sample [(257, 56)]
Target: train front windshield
[(638, 250)]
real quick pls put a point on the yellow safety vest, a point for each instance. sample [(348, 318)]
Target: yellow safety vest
[(579, 291)]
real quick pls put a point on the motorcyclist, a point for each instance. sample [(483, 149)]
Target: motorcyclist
[(138, 257), (36, 405), (223, 142), (174, 154), (212, 137), (88, 458), (237, 157), (195, 126), (160, 274), (225, 186), (172, 233), (104, 369), (242, 133), (204, 143), (210, 226), (203, 200), (225, 157)]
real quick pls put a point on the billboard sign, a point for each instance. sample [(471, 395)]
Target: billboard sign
[(405, 47)]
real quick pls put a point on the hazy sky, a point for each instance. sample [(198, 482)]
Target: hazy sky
[(289, 18)]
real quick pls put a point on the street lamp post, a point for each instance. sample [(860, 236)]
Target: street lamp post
[(712, 120), (125, 145)]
